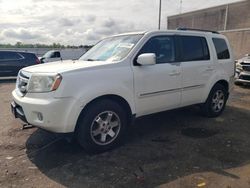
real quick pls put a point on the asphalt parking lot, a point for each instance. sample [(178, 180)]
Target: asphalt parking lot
[(177, 148)]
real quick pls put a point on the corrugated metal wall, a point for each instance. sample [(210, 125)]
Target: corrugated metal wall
[(233, 20)]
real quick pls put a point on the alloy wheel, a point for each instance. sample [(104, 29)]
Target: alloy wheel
[(105, 128), (218, 101)]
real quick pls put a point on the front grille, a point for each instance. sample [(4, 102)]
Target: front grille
[(246, 68), (244, 63), (22, 82), (244, 77)]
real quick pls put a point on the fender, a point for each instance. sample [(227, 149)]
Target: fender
[(218, 76), (98, 90), (88, 87), (91, 94)]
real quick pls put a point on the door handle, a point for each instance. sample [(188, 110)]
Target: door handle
[(208, 69), (174, 73)]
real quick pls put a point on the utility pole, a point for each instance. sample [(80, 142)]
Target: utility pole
[(180, 6), (159, 24), (226, 15)]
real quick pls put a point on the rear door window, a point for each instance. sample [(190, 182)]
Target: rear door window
[(10, 56), (194, 48), (221, 48)]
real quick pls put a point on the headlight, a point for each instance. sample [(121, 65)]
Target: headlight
[(238, 66), (40, 83)]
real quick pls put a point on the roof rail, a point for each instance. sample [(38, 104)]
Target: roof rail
[(192, 29)]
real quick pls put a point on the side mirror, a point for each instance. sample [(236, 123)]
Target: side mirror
[(146, 59)]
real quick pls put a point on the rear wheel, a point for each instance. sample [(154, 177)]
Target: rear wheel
[(102, 126), (215, 102)]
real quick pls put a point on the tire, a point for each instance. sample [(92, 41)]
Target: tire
[(102, 126), (216, 101)]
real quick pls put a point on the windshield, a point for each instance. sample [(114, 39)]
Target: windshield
[(111, 49)]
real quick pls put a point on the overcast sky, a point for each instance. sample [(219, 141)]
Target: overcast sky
[(77, 22)]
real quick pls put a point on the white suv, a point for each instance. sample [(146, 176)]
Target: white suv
[(123, 77)]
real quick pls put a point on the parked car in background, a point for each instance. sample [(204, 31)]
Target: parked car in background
[(11, 62), (124, 77), (64, 54), (242, 74)]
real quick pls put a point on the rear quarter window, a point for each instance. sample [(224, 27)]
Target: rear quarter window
[(221, 48)]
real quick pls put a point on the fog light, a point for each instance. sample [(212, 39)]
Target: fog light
[(40, 116)]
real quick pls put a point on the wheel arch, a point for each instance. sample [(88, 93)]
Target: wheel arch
[(120, 100), (206, 107), (223, 82)]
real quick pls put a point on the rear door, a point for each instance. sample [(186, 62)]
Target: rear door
[(197, 67), (10, 63)]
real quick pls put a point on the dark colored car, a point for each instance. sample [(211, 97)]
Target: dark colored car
[(11, 62)]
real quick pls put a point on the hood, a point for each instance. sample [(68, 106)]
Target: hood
[(64, 66), (244, 60)]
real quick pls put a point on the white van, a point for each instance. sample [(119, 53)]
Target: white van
[(124, 77), (64, 54)]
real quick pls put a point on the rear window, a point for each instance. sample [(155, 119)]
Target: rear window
[(29, 56), (221, 48), (194, 48)]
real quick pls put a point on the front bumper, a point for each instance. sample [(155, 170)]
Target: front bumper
[(17, 111), (242, 77), (53, 114)]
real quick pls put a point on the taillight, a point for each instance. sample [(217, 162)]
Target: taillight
[(37, 61)]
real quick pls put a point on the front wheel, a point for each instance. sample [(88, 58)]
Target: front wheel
[(102, 126), (215, 102)]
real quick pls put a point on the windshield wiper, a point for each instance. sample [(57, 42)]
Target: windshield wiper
[(92, 60)]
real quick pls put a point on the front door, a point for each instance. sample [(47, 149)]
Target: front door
[(158, 87)]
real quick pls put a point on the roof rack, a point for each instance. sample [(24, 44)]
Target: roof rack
[(191, 29)]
